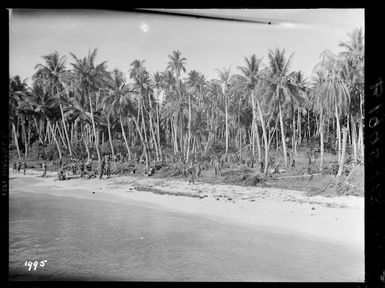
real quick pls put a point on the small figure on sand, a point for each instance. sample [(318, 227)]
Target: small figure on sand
[(81, 168), (14, 167), (18, 166), (24, 167), (44, 169), (108, 168), (262, 166), (276, 167), (102, 165), (217, 167)]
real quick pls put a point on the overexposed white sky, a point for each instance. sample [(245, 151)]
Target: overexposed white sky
[(122, 37)]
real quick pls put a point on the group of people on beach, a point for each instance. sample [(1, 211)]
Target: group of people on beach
[(84, 168), (17, 166)]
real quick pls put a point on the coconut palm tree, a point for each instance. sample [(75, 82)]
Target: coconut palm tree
[(90, 78), (44, 104), (157, 81), (251, 78), (353, 55), (297, 88), (117, 103), (333, 91), (176, 64), (278, 92), (17, 94), (52, 70), (224, 79), (142, 86)]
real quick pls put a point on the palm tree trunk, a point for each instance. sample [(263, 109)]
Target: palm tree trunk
[(109, 135), (227, 125), (283, 136), (264, 138), (15, 137), (308, 125), (293, 138), (321, 127), (143, 142), (158, 124), (342, 162), (54, 138), (299, 126), (124, 136), (61, 135), (38, 130), (189, 128), (349, 130), (361, 131), (65, 130), (354, 138), (258, 142), (338, 131), (25, 139), (94, 127)]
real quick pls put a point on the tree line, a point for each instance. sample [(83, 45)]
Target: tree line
[(85, 107)]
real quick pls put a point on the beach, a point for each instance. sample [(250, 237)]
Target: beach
[(332, 219)]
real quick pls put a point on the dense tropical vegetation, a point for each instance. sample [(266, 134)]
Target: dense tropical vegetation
[(259, 109)]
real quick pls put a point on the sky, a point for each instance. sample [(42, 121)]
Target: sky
[(208, 45)]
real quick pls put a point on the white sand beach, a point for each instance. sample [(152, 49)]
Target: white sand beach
[(333, 219)]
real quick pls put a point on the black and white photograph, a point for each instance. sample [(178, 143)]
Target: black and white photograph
[(193, 145)]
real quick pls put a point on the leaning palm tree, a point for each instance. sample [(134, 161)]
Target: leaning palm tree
[(17, 94), (52, 70), (251, 78), (90, 77), (45, 105)]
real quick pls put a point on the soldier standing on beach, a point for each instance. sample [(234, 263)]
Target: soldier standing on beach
[(14, 167), (102, 164), (108, 170), (44, 169), (217, 167), (24, 167), (18, 166)]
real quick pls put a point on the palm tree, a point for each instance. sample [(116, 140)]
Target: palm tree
[(297, 88), (176, 64), (142, 86), (117, 102), (354, 76), (224, 79), (17, 93), (90, 77), (52, 70), (45, 105), (278, 93), (158, 85), (321, 107), (251, 78), (333, 91)]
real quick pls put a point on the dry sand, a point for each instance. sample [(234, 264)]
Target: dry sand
[(332, 219)]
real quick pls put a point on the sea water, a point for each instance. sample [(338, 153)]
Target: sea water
[(87, 239)]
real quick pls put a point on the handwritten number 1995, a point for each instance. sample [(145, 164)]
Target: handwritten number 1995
[(34, 264)]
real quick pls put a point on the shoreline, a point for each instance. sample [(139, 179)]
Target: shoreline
[(339, 219)]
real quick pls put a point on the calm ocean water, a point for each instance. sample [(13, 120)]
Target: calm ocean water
[(84, 239)]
